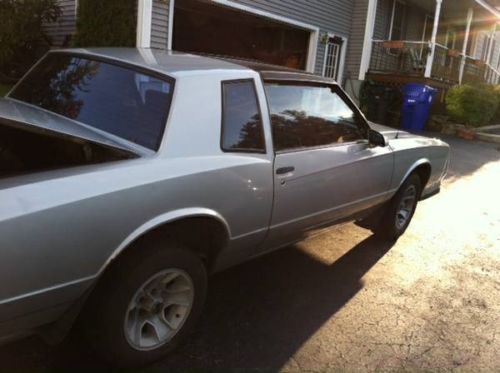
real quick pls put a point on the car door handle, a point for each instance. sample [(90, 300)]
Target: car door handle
[(285, 170)]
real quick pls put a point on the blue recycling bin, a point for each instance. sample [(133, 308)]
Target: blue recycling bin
[(417, 103)]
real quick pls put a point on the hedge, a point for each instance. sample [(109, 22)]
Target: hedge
[(22, 38), (110, 23), (472, 105)]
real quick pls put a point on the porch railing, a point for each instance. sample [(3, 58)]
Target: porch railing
[(409, 58), (446, 64), (399, 57), (478, 71)]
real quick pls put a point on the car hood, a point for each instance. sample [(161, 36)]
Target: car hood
[(391, 133), (32, 118)]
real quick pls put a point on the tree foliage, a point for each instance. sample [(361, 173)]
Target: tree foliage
[(22, 37), (472, 105), (110, 23)]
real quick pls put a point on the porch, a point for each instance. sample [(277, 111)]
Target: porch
[(439, 42)]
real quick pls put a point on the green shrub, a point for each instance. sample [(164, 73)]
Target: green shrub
[(472, 105), (110, 23), (22, 37), (496, 117)]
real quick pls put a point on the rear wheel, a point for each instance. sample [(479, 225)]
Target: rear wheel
[(146, 305), (400, 210)]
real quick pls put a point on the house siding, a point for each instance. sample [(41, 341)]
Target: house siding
[(383, 20), (355, 47), (333, 16), (159, 24), (65, 26)]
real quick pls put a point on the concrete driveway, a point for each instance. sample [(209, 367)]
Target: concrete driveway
[(343, 300)]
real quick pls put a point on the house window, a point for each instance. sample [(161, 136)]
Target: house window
[(396, 31), (333, 54)]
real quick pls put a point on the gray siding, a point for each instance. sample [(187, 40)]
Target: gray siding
[(355, 47), (480, 47), (65, 26), (383, 19), (495, 54), (332, 16), (159, 24)]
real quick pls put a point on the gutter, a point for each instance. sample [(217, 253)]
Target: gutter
[(489, 8)]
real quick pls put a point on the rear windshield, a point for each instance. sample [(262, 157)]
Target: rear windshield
[(115, 99)]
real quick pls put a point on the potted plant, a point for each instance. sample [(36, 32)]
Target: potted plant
[(394, 44), (466, 132)]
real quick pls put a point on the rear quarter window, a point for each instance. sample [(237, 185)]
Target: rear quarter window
[(241, 118)]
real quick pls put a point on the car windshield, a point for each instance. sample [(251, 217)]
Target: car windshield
[(115, 99)]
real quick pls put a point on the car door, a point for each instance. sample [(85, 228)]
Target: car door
[(325, 169)]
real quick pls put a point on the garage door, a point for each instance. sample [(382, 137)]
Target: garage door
[(205, 27)]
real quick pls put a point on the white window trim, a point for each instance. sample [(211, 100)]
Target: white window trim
[(393, 14), (313, 30), (342, 56)]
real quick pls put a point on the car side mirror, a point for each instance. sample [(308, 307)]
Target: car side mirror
[(376, 138)]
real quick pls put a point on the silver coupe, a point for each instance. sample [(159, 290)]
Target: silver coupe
[(129, 175)]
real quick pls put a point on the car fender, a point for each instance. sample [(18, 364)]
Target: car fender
[(169, 217), (413, 167)]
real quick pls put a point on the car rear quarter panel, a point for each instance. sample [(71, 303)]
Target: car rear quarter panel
[(58, 229)]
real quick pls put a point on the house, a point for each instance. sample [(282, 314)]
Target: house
[(438, 42)]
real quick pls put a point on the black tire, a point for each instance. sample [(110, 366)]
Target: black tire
[(389, 228), (105, 313)]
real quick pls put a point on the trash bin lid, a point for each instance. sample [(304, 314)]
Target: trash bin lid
[(419, 92)]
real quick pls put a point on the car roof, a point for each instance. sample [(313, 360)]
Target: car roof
[(176, 64)]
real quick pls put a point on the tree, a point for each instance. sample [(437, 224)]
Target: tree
[(22, 37), (110, 23)]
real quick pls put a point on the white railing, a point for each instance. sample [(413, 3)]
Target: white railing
[(407, 57)]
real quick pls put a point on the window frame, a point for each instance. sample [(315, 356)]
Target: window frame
[(342, 56), (393, 16), (365, 127), (118, 63), (221, 140)]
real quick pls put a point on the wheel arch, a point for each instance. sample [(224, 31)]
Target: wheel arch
[(172, 221), (423, 168)]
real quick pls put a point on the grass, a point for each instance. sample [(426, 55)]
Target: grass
[(4, 89)]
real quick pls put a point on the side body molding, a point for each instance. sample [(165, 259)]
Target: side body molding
[(169, 217)]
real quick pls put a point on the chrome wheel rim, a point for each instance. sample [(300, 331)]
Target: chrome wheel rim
[(406, 207), (159, 309)]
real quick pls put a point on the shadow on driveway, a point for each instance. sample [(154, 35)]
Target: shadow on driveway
[(257, 316)]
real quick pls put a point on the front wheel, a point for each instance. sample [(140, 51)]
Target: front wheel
[(400, 210), (146, 305)]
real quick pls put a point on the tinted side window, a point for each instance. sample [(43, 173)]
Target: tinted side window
[(241, 118), (308, 116)]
